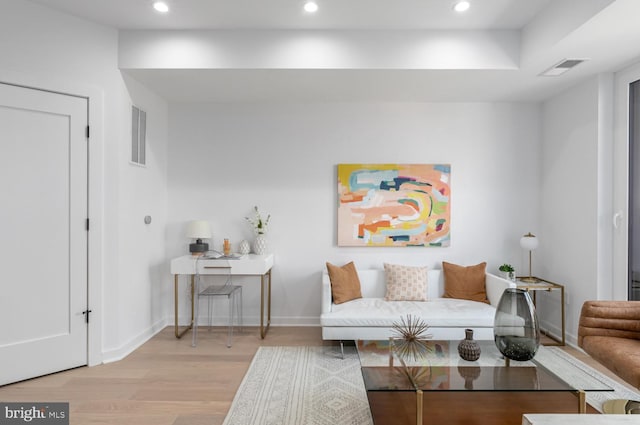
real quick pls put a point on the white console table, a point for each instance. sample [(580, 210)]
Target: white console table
[(249, 265)]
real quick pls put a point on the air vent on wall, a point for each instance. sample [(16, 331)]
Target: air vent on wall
[(562, 67), (138, 135)]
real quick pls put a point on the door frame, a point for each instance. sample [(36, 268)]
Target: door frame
[(621, 181), (95, 100)]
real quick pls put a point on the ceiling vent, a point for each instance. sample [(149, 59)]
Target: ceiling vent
[(562, 67)]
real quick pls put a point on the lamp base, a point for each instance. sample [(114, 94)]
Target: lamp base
[(198, 248), (529, 279)]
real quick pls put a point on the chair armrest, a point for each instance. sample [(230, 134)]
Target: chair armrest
[(326, 293), (495, 286), (619, 319)]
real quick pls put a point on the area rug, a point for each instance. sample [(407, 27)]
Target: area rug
[(558, 359), (301, 386), (314, 386)]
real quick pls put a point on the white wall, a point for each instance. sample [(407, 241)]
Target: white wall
[(571, 207), (141, 297), (226, 158), (47, 49), (319, 49)]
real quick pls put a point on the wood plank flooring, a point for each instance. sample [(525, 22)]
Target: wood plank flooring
[(166, 381)]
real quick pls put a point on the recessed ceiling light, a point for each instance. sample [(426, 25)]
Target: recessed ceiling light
[(161, 6), (311, 7), (461, 6)]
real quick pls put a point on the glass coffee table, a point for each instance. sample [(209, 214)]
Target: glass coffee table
[(442, 388)]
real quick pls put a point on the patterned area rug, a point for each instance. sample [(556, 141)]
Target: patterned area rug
[(314, 386), (558, 359), (301, 386)]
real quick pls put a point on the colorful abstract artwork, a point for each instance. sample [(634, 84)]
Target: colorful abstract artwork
[(394, 205)]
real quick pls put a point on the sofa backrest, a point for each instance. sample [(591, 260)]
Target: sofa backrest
[(373, 284)]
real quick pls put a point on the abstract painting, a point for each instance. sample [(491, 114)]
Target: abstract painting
[(394, 205)]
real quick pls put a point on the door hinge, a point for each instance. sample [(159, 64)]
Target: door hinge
[(86, 315), (87, 225), (87, 132)]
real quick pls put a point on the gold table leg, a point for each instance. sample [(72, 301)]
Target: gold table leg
[(263, 329), (562, 340), (176, 302), (418, 407), (582, 402)]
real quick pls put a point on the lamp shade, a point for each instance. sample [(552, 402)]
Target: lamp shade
[(199, 229), (529, 242)]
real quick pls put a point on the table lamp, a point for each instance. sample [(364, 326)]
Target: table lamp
[(198, 230), (529, 242)]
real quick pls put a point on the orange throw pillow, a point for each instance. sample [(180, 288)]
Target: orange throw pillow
[(345, 283), (465, 283)]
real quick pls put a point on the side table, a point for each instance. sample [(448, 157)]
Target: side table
[(545, 285)]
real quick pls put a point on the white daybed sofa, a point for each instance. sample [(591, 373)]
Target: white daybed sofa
[(371, 317)]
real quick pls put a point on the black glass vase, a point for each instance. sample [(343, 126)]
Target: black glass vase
[(516, 330)]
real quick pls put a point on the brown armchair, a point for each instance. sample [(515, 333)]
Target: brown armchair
[(609, 331)]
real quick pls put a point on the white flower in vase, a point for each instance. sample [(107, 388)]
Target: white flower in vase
[(259, 225), (260, 229)]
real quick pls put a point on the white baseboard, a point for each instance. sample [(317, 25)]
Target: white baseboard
[(116, 354), (293, 321)]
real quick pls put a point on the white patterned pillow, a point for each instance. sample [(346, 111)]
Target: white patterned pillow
[(405, 283)]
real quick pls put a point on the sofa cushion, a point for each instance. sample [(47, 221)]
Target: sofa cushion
[(405, 283), (440, 312), (345, 284), (620, 355), (465, 283)]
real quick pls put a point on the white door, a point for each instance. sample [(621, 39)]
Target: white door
[(43, 236)]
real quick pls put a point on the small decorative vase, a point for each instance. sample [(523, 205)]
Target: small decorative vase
[(516, 329), (510, 276), (468, 348), (244, 248), (260, 245)]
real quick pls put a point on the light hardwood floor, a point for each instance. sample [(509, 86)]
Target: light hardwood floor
[(166, 381)]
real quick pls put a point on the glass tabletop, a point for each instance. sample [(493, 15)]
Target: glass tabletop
[(442, 369)]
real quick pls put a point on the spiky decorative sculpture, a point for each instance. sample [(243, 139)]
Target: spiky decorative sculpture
[(410, 338)]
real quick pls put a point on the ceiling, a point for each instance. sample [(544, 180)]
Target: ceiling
[(547, 31), (289, 14)]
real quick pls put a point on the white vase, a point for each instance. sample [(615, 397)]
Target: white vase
[(260, 245), (244, 248), (510, 276)]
